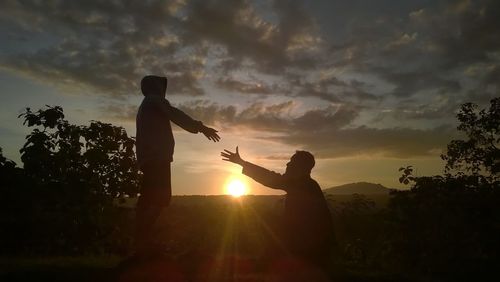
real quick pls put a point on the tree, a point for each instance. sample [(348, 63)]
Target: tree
[(100, 155), (479, 154), (448, 224), (5, 163), (10, 176), (77, 174)]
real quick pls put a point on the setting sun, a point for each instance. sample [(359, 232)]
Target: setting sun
[(236, 188)]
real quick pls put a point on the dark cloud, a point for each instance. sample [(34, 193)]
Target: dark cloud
[(414, 49), (409, 83), (257, 116), (109, 45), (271, 118), (325, 119), (488, 88), (237, 26), (389, 142), (72, 64), (425, 49), (492, 77), (254, 87), (328, 132), (333, 90), (414, 110), (209, 112), (327, 88), (106, 46), (476, 35)]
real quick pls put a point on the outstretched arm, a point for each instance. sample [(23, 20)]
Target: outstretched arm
[(264, 176), (187, 123)]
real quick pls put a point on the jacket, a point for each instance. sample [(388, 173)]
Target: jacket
[(154, 140)]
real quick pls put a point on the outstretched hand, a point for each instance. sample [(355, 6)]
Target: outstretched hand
[(229, 156), (210, 133)]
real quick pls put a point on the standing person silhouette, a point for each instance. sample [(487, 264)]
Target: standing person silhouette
[(308, 229), (155, 149)]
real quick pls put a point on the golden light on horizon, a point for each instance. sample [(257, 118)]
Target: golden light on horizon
[(236, 188)]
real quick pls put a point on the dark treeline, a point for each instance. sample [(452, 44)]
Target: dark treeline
[(65, 200)]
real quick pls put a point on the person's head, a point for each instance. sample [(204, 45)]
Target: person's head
[(300, 164), (154, 85)]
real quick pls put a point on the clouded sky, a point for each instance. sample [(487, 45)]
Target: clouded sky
[(366, 86)]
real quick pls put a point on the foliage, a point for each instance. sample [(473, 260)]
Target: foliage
[(480, 152), (5, 164), (357, 228), (72, 178), (100, 156), (407, 176), (447, 225)]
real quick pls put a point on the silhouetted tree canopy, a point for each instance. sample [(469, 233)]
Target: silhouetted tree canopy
[(447, 225), (479, 154), (99, 156), (65, 198)]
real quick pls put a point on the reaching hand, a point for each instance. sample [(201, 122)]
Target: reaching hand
[(210, 133), (232, 157)]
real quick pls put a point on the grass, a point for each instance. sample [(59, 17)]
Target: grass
[(82, 268), (196, 229), (103, 268)]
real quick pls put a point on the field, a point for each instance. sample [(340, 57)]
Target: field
[(206, 238)]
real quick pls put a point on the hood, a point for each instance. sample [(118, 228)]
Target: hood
[(154, 85)]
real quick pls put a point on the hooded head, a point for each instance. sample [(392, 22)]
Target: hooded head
[(154, 85)]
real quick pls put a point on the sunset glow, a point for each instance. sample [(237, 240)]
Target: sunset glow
[(236, 188), (365, 86)]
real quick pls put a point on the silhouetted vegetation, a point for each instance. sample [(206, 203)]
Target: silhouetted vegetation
[(65, 201), (448, 225)]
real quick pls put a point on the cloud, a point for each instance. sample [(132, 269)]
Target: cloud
[(404, 39), (244, 34), (327, 132), (119, 112), (274, 118), (478, 27), (256, 117), (414, 110), (104, 47), (409, 83), (254, 87), (209, 112), (378, 57), (425, 50), (365, 141), (332, 89)]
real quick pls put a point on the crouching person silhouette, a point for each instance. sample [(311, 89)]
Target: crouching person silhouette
[(308, 229), (155, 149)]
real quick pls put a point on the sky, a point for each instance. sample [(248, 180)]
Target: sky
[(366, 86)]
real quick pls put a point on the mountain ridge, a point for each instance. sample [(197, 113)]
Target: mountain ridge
[(366, 188)]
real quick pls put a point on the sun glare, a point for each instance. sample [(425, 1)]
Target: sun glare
[(236, 188)]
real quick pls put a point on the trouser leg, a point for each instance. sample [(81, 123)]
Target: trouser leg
[(155, 197)]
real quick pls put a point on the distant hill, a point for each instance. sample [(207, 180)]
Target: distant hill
[(357, 188)]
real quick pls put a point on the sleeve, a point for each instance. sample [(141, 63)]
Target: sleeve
[(264, 176), (181, 118)]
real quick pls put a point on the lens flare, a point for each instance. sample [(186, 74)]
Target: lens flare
[(236, 188)]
